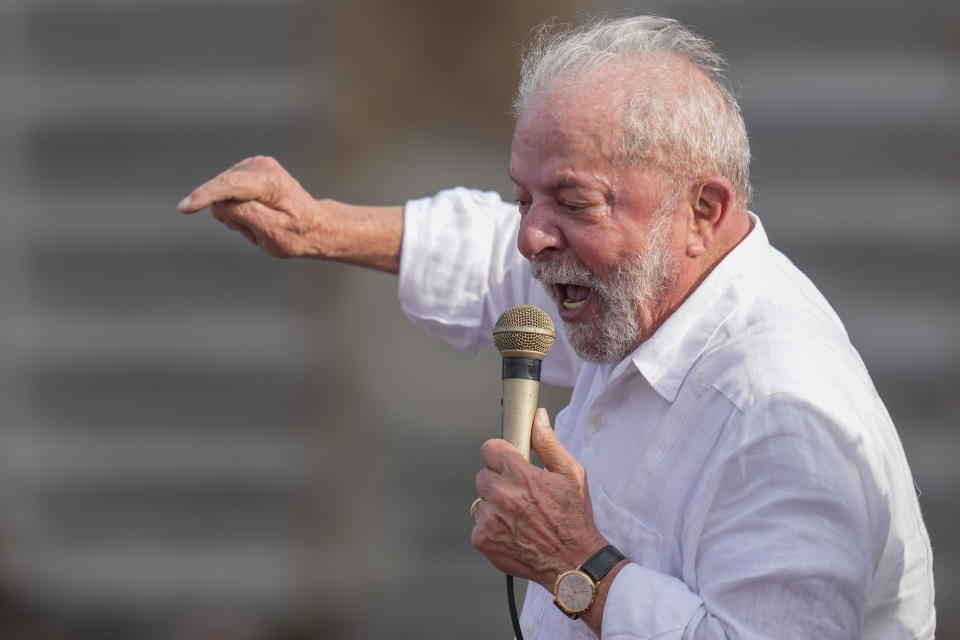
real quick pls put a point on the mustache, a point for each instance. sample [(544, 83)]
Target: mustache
[(559, 270)]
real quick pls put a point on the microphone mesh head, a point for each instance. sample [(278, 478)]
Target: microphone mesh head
[(524, 331)]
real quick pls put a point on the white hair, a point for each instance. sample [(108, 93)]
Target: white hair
[(673, 119)]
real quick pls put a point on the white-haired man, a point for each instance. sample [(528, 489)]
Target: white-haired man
[(724, 468)]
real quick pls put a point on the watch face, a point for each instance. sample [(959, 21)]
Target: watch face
[(575, 591)]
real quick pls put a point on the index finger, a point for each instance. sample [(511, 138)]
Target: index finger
[(229, 185), (496, 454)]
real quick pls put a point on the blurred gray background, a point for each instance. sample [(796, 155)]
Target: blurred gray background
[(198, 441)]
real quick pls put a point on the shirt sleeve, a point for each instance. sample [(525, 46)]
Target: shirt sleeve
[(460, 269), (790, 529)]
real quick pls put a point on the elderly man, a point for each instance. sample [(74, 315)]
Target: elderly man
[(725, 467)]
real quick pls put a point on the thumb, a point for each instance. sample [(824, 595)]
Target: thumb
[(552, 454)]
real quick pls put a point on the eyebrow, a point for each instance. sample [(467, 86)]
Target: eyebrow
[(565, 182)]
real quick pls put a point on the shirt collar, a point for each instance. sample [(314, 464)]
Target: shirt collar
[(666, 357)]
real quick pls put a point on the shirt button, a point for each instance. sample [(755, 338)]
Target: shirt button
[(596, 422), (528, 630)]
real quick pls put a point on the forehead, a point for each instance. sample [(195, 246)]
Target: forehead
[(581, 113), (564, 127)]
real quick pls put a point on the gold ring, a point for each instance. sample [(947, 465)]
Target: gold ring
[(473, 508)]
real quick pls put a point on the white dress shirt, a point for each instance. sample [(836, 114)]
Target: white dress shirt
[(740, 458)]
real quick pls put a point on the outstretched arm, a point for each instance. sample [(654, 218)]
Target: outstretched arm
[(260, 200)]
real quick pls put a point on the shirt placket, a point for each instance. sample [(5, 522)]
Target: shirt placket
[(592, 426)]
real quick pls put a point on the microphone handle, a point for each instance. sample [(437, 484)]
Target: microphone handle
[(521, 389)]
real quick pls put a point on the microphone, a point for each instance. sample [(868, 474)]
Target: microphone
[(523, 336)]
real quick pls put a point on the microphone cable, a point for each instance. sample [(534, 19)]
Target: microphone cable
[(512, 603)]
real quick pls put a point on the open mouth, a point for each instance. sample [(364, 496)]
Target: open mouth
[(573, 296)]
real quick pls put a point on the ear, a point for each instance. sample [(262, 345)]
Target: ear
[(710, 201)]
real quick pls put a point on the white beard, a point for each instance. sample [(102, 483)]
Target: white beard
[(634, 285)]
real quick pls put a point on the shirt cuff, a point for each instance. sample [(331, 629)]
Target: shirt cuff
[(647, 604)]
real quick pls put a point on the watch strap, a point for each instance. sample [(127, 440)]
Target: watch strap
[(602, 562)]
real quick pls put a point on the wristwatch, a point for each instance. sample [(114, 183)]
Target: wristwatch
[(575, 590)]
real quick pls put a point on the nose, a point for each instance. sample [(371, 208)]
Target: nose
[(539, 233)]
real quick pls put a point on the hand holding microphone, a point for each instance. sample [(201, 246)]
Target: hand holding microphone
[(531, 522), (523, 335)]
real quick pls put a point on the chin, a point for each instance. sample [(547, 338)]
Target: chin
[(598, 344)]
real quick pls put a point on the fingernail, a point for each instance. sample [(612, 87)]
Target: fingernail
[(184, 203), (542, 416)]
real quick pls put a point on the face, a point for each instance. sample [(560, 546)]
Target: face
[(599, 234)]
